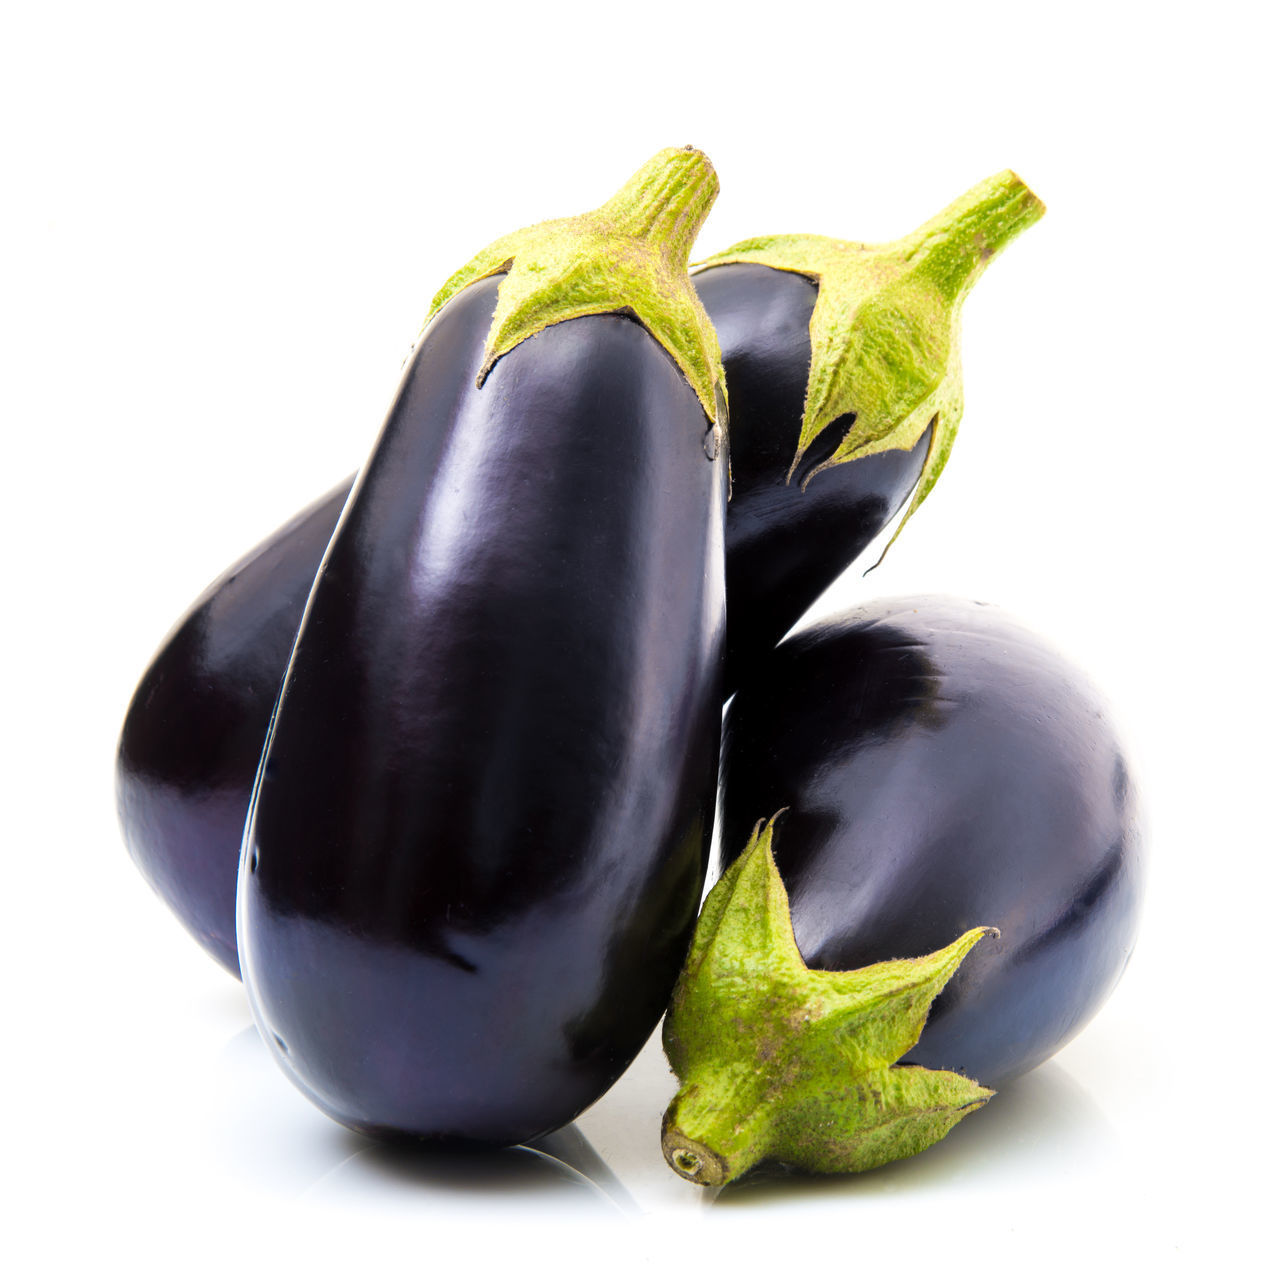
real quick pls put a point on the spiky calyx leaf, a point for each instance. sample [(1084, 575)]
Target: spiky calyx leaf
[(885, 328), (630, 255), (779, 1060)]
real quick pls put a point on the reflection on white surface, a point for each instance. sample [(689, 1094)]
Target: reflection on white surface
[(1036, 1132), (267, 1133), (387, 1179)]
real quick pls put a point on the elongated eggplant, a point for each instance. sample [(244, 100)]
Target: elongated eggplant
[(480, 826), (942, 771), (886, 371)]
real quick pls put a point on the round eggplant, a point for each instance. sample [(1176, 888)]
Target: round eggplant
[(942, 767), (480, 826), (943, 776), (788, 536), (195, 726)]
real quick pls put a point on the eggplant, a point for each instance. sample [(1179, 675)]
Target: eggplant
[(786, 542), (942, 774), (788, 537), (196, 723), (481, 822), (843, 370)]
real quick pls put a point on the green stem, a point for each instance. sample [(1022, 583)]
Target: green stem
[(884, 332), (778, 1060), (665, 202), (716, 1129), (954, 248), (630, 255)]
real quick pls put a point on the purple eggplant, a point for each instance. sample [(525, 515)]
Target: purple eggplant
[(938, 773), (195, 726), (943, 767), (786, 541), (480, 826)]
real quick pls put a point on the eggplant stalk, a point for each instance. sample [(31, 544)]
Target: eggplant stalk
[(779, 1061), (885, 327)]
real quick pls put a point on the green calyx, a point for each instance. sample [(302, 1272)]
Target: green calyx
[(776, 1060), (885, 327), (630, 255)]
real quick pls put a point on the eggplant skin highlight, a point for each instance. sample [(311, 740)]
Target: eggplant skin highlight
[(941, 767), (481, 824), (194, 729)]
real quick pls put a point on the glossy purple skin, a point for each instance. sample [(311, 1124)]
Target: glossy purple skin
[(222, 664), (786, 543), (195, 726), (480, 830), (943, 768)]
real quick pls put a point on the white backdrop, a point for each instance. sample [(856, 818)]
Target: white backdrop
[(221, 227)]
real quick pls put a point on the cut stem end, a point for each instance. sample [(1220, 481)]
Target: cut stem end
[(692, 1160)]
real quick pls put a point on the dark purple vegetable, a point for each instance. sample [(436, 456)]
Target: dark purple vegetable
[(786, 542), (942, 768), (788, 537), (942, 774), (480, 826), (845, 389), (195, 727)]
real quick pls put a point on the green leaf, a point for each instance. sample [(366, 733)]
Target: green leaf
[(870, 1119), (743, 934), (877, 1014)]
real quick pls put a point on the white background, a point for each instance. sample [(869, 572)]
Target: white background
[(221, 228)]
